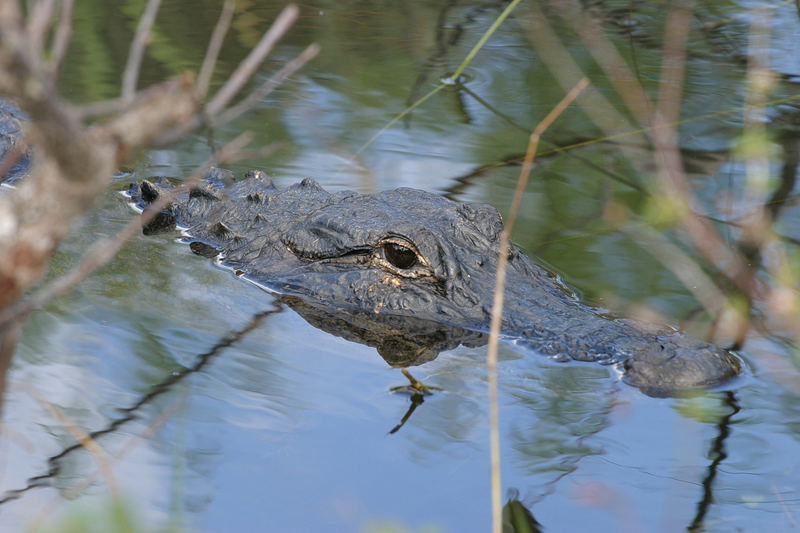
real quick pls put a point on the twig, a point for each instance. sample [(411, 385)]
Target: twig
[(673, 62), (777, 494), (91, 445), (689, 272), (38, 24), (75, 490), (61, 38), (256, 56), (105, 107), (559, 61), (242, 73), (8, 339), (268, 86), (131, 75), (103, 251), (705, 237), (9, 16), (497, 304), (214, 46)]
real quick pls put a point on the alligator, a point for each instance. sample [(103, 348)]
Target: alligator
[(419, 267)]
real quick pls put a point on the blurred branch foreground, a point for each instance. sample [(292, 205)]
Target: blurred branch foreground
[(74, 160)]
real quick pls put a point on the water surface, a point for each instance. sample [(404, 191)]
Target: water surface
[(288, 428)]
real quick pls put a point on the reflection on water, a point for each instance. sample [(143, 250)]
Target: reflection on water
[(290, 425)]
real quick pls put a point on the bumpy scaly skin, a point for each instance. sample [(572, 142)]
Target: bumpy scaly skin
[(11, 126), (331, 249)]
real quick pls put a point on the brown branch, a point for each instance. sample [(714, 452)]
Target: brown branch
[(247, 67), (38, 25), (131, 75), (673, 179), (36, 215), (61, 38), (74, 161), (609, 59), (105, 250), (268, 86), (212, 52)]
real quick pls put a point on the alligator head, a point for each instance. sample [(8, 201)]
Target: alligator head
[(420, 258)]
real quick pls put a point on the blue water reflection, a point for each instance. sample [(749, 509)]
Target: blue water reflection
[(287, 429)]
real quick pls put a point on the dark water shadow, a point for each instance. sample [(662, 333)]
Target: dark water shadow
[(131, 412), (718, 454)]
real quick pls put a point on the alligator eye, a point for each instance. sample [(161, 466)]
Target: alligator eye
[(400, 256)]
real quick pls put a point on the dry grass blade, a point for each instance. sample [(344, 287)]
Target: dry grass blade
[(214, 46), (497, 304), (673, 62), (131, 75), (609, 59), (247, 67), (561, 65), (74, 491), (91, 445), (672, 178)]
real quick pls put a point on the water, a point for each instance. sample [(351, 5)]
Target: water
[(288, 428)]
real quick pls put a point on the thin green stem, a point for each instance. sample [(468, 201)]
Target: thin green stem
[(475, 49), (449, 80), (399, 117)]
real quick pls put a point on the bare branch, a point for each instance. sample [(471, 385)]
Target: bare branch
[(61, 38), (242, 73), (248, 66), (673, 179), (673, 62), (214, 46), (558, 60), (9, 14), (103, 251), (131, 75), (608, 57), (268, 86), (39, 24), (97, 109)]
